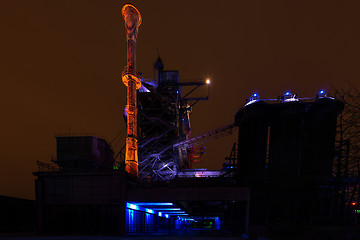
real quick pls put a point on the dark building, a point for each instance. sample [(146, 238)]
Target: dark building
[(286, 152), (112, 202), (283, 167), (17, 215), (88, 192), (83, 153)]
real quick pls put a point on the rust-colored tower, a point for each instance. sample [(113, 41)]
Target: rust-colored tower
[(131, 79)]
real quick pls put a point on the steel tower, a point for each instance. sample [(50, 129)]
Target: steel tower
[(131, 79)]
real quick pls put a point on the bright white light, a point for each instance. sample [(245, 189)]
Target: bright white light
[(208, 81), (132, 206), (175, 212), (149, 211), (167, 209), (154, 204), (321, 94)]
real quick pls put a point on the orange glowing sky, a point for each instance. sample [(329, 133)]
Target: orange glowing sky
[(61, 64)]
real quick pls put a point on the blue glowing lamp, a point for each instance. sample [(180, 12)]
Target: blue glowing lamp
[(288, 95), (321, 94), (254, 97)]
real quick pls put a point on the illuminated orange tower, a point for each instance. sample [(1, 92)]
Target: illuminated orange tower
[(131, 79)]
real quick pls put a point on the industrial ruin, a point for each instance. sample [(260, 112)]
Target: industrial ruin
[(280, 170)]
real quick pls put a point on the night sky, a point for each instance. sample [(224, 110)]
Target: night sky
[(61, 64)]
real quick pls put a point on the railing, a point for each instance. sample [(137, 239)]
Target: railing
[(46, 167)]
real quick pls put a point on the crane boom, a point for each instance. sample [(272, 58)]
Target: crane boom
[(186, 147), (203, 138)]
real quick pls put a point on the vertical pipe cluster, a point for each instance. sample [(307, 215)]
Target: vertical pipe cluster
[(131, 79)]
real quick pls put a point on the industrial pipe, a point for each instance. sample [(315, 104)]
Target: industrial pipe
[(131, 79)]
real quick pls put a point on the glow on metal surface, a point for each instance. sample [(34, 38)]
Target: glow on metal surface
[(166, 209), (132, 206), (174, 212), (153, 204), (322, 94), (130, 78), (149, 210), (133, 7)]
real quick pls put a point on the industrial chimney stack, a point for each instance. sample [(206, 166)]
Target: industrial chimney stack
[(131, 79)]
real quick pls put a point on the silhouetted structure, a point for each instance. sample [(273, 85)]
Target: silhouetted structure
[(164, 119), (284, 157), (17, 215), (286, 152), (80, 195), (83, 153)]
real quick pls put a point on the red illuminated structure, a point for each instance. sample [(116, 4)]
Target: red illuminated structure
[(131, 79)]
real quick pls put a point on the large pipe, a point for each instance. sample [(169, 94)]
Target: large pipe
[(131, 79)]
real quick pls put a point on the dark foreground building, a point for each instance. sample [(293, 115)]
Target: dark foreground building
[(286, 152), (88, 190), (280, 173), (103, 200), (17, 215)]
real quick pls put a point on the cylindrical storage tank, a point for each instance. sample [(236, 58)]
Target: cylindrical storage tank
[(253, 122), (320, 131), (286, 136)]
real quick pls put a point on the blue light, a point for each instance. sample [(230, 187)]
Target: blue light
[(175, 212), (167, 215), (148, 220), (321, 94), (130, 220), (288, 97), (149, 210), (132, 206), (160, 214), (254, 97), (154, 204), (178, 214), (217, 223), (167, 209)]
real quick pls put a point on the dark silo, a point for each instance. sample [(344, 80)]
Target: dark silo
[(286, 136), (319, 142), (252, 146)]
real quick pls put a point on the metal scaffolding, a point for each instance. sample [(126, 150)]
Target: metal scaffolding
[(164, 119)]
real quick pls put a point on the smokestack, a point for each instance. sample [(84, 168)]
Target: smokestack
[(131, 79)]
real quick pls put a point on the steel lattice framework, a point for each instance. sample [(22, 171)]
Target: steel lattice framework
[(164, 119)]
